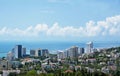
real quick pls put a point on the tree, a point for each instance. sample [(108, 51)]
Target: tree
[(117, 73), (4, 66), (3, 58), (78, 73), (12, 74), (1, 72), (50, 74), (31, 73), (42, 74)]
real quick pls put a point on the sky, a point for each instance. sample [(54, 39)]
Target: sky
[(59, 20)]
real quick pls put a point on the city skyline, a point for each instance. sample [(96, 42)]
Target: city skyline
[(60, 20)]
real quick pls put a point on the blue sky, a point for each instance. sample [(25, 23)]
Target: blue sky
[(58, 20)]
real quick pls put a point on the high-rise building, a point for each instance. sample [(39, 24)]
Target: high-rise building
[(32, 52), (10, 56), (18, 51), (45, 52), (73, 52), (60, 55), (89, 47), (38, 52), (66, 53), (23, 51), (81, 51)]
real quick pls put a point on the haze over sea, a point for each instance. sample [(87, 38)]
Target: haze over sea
[(53, 47)]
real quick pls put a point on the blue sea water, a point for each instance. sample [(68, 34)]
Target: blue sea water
[(53, 47)]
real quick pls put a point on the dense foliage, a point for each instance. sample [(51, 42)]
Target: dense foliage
[(59, 73)]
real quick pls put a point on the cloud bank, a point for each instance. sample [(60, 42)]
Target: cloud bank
[(109, 27)]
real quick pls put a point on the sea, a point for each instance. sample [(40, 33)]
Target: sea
[(53, 47)]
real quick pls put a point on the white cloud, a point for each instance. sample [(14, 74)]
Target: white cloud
[(113, 31), (109, 27)]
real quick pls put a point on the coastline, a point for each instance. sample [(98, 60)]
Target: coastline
[(53, 47)]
